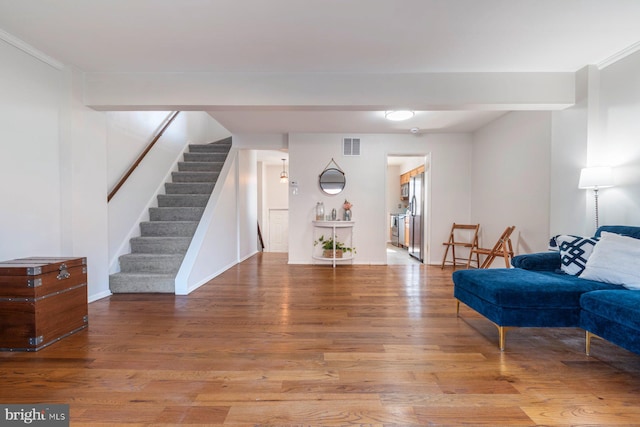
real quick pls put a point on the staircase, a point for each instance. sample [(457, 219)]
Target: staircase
[(157, 254)]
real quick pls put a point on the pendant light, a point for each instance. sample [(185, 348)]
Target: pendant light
[(284, 178)]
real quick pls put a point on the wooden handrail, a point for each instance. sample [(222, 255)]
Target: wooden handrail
[(260, 238), (140, 157)]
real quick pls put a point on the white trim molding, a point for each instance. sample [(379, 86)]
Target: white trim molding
[(27, 48), (619, 55)]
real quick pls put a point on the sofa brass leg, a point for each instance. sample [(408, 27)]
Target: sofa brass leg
[(587, 342), (502, 336), (589, 336), (502, 331)]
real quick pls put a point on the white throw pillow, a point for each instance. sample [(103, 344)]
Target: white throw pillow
[(616, 260), (574, 252)]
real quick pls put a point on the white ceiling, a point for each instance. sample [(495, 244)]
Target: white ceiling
[(327, 36)]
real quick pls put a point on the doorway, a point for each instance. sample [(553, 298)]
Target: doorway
[(407, 208), (273, 199)]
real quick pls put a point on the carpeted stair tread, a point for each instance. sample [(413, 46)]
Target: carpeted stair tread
[(205, 157), (160, 245), (194, 176), (223, 145), (151, 263), (188, 187), (200, 166), (180, 213), (142, 283), (168, 228), (182, 200)]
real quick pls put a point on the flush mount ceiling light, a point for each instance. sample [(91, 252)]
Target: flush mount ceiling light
[(398, 115)]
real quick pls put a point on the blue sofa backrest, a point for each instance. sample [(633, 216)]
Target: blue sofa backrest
[(625, 230), (550, 261)]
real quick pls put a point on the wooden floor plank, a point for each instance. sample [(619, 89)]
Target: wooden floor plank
[(267, 343)]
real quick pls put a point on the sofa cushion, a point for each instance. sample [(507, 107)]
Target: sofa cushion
[(624, 230), (620, 306), (541, 261), (574, 252), (614, 260), (517, 288)]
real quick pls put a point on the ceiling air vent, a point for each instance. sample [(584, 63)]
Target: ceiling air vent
[(351, 146)]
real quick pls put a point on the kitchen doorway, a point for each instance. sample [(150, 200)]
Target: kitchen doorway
[(407, 208)]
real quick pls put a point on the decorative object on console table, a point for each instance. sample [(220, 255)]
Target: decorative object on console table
[(347, 205), (594, 178), (42, 300), (319, 211)]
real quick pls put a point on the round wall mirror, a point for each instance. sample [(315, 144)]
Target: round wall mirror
[(332, 181)]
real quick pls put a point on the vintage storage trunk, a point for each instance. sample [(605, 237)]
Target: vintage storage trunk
[(42, 300)]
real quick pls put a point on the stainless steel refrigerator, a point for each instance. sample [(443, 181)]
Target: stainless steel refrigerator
[(416, 217)]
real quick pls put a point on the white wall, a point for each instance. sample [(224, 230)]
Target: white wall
[(277, 193), (510, 180), (601, 129), (227, 233), (54, 169), (247, 204), (84, 195), (128, 134), (32, 93), (570, 135), (620, 142), (366, 187), (214, 247)]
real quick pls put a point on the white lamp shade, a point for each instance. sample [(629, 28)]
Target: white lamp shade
[(596, 177)]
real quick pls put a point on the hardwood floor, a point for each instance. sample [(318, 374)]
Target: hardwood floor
[(267, 343)]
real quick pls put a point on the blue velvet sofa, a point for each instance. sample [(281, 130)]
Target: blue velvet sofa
[(536, 293)]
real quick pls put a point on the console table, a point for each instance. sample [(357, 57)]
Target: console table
[(340, 230)]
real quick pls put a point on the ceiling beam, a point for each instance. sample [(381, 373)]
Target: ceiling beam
[(329, 91)]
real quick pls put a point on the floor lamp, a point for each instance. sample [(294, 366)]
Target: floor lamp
[(595, 178)]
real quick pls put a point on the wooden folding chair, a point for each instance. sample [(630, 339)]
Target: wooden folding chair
[(457, 239), (502, 248)]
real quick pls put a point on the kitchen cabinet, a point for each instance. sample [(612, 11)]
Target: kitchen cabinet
[(404, 186), (406, 231), (405, 178)]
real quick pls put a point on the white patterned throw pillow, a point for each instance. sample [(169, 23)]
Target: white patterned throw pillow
[(574, 252)]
